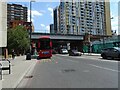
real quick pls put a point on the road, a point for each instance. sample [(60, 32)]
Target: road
[(62, 71)]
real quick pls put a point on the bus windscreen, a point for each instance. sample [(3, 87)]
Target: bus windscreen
[(45, 44)]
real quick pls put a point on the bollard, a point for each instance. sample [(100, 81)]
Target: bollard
[(28, 56)]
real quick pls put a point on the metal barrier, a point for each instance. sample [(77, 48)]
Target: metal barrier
[(4, 65)]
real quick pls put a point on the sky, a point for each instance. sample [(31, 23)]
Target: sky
[(42, 14)]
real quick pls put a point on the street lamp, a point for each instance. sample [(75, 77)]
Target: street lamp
[(31, 21), (102, 26), (111, 24), (89, 38), (102, 23), (28, 56)]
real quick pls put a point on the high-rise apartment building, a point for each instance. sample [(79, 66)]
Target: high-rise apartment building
[(16, 12), (84, 17), (56, 20), (52, 29), (68, 17)]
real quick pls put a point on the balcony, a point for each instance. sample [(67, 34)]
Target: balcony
[(82, 14)]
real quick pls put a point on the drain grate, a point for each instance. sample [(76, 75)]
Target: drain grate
[(28, 76), (68, 70)]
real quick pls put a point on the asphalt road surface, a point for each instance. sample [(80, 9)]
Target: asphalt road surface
[(62, 71)]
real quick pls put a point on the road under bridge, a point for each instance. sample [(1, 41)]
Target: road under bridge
[(58, 40)]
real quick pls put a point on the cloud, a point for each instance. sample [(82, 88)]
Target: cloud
[(51, 10), (42, 25), (34, 13), (48, 27), (45, 28), (114, 22)]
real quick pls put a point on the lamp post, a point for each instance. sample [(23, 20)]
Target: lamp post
[(28, 56), (102, 26), (102, 23), (111, 24), (31, 22), (89, 38)]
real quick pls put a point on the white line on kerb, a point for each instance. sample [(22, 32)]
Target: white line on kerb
[(104, 68)]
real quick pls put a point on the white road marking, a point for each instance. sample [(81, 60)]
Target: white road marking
[(99, 59), (104, 68), (93, 64), (62, 54), (91, 58)]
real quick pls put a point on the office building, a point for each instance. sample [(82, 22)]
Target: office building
[(83, 17), (16, 12), (52, 29)]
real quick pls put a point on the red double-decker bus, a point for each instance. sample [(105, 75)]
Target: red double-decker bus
[(44, 47)]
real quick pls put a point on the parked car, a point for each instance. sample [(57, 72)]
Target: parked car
[(74, 53), (64, 51), (111, 52)]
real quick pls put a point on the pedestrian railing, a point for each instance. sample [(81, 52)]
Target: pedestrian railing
[(4, 65)]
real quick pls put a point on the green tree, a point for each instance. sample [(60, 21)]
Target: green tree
[(18, 39)]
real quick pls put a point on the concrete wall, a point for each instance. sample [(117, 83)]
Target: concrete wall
[(3, 24), (108, 18)]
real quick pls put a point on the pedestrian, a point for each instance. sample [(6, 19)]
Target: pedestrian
[(13, 54)]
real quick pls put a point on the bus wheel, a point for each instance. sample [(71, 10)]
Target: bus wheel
[(49, 57), (38, 58)]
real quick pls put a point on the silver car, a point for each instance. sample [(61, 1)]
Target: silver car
[(74, 53), (111, 52), (64, 51)]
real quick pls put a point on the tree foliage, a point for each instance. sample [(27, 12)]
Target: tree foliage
[(18, 39)]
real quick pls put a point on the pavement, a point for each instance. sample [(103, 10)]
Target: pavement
[(19, 68), (91, 54)]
